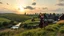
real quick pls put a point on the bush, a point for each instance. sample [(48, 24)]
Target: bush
[(61, 30)]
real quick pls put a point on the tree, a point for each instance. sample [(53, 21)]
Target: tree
[(0, 24), (39, 15), (33, 19), (12, 23), (25, 13), (5, 24)]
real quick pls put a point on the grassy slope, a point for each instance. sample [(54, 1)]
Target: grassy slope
[(29, 22), (4, 19), (51, 30), (17, 17)]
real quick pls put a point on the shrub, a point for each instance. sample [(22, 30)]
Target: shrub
[(61, 30)]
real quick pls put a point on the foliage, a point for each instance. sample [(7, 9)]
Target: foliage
[(61, 30), (4, 19), (50, 30), (15, 17)]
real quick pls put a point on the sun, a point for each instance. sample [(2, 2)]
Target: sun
[(21, 10)]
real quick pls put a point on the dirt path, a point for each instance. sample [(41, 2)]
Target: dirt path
[(58, 34), (6, 30)]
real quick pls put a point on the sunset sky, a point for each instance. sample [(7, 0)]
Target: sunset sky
[(43, 6)]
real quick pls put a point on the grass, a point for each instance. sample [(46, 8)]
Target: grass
[(62, 30), (4, 19), (50, 30), (16, 17), (29, 22)]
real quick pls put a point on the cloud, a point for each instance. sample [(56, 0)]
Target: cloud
[(58, 10), (61, 0), (45, 8), (18, 8), (29, 7), (1, 3), (60, 4), (34, 3), (7, 3)]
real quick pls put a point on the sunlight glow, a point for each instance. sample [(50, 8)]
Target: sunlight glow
[(21, 10)]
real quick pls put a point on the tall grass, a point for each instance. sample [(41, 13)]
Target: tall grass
[(50, 30)]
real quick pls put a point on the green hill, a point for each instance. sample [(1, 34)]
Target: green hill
[(4, 19), (17, 17), (50, 30)]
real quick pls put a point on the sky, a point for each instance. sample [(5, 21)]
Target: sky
[(40, 6)]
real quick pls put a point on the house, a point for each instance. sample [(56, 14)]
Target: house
[(61, 19), (16, 26)]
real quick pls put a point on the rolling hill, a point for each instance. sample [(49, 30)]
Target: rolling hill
[(4, 20)]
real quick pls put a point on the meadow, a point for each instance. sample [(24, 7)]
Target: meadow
[(29, 27), (4, 19)]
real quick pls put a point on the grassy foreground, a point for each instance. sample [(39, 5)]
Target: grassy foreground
[(50, 30)]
